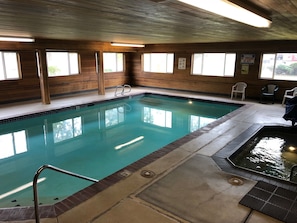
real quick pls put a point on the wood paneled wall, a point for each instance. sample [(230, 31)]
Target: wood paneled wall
[(29, 86), (183, 80), (11, 90)]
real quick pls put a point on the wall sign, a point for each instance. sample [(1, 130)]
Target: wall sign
[(247, 59), (182, 63), (245, 69)]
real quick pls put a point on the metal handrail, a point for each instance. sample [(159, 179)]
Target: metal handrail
[(116, 91), (126, 86), (35, 191), (292, 170), (123, 87)]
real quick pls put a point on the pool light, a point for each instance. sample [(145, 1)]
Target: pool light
[(129, 143), (232, 11), (292, 148)]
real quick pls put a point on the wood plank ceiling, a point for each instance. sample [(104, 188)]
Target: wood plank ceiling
[(139, 21)]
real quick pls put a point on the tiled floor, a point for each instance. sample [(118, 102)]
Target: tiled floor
[(120, 202), (272, 200)]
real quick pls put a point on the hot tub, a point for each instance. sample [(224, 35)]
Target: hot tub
[(271, 151)]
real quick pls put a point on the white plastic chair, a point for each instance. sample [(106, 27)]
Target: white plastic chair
[(239, 87), (290, 94)]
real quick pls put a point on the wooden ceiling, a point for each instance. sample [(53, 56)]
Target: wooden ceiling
[(139, 21)]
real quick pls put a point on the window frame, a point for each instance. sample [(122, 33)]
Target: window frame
[(201, 73), (68, 63), (150, 63), (117, 70), (5, 72)]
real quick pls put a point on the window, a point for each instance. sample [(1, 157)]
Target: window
[(279, 66), (62, 63), (113, 62), (13, 143), (67, 129), (214, 64), (9, 66), (158, 62)]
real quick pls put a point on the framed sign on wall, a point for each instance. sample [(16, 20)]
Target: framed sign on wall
[(182, 63), (247, 59), (244, 69)]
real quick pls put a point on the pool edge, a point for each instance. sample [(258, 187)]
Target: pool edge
[(57, 209)]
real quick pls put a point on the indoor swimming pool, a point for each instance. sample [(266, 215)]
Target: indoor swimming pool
[(94, 140)]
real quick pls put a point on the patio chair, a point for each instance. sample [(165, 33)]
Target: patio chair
[(239, 87), (289, 94), (268, 91)]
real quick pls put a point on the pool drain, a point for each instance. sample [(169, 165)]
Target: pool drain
[(235, 181), (147, 173)]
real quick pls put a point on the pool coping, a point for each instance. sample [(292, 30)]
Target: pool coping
[(55, 210)]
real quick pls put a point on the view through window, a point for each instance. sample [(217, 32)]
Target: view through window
[(9, 66), (158, 62), (213, 64), (113, 62), (279, 66), (62, 63)]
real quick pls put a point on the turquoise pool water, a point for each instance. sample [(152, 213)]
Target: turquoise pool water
[(94, 140)]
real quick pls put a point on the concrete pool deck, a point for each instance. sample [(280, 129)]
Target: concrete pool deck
[(187, 186)]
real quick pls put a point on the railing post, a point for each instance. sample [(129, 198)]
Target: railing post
[(116, 91), (123, 89), (35, 193), (128, 86), (35, 189)]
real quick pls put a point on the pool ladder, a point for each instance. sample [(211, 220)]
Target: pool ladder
[(292, 172), (122, 89), (35, 191)]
